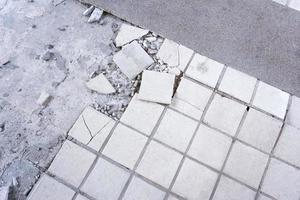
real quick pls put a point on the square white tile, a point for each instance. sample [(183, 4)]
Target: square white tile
[(288, 146), (72, 163), (142, 115), (224, 114), (271, 100), (125, 146), (191, 98), (106, 181), (260, 130), (194, 181), (205, 70), (159, 164), (293, 116), (210, 147), (229, 189), (176, 130), (282, 181), (238, 84), (246, 164), (157, 87)]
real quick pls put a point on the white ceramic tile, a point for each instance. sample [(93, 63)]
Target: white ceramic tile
[(271, 100), (260, 130), (176, 130), (142, 115), (159, 164), (127, 33), (204, 70), (157, 87), (194, 181), (224, 114), (238, 84), (72, 163), (125, 146), (210, 147), (246, 164), (293, 116)]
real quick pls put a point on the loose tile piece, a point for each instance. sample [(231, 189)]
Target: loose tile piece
[(238, 84), (210, 147), (72, 163), (205, 70), (174, 55), (246, 164), (159, 164), (128, 33), (88, 11), (125, 146), (106, 181), (142, 115), (132, 59), (293, 116), (49, 189), (260, 130), (271, 99), (157, 87), (44, 98), (282, 181), (288, 147), (176, 130), (101, 85), (91, 125), (95, 16), (194, 181), (191, 98), (139, 189), (230, 190), (295, 4), (224, 114)]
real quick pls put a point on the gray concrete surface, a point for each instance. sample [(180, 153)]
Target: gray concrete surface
[(259, 37)]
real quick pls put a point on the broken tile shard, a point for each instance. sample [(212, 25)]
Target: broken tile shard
[(132, 59), (157, 87), (95, 16), (128, 33), (88, 11), (44, 98), (100, 84)]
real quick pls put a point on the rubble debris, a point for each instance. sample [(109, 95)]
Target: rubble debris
[(95, 16), (44, 98), (4, 192), (157, 87), (88, 11), (101, 85), (48, 56), (132, 59), (128, 33)]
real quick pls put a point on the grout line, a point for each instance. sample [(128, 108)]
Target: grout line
[(189, 62)]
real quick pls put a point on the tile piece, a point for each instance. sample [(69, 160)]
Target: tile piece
[(139, 189), (224, 114), (210, 147), (288, 147), (191, 98), (142, 115), (132, 59), (271, 99), (293, 116), (246, 164), (194, 181), (49, 189), (125, 146), (260, 130), (44, 98), (127, 33), (205, 70), (282, 181), (91, 125), (95, 16), (238, 84), (229, 189), (159, 164), (157, 87), (72, 163), (295, 4), (106, 181), (174, 54), (100, 84), (176, 130)]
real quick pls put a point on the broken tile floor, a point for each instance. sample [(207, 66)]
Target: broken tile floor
[(201, 131)]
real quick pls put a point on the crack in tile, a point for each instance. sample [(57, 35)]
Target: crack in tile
[(87, 126), (98, 132)]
